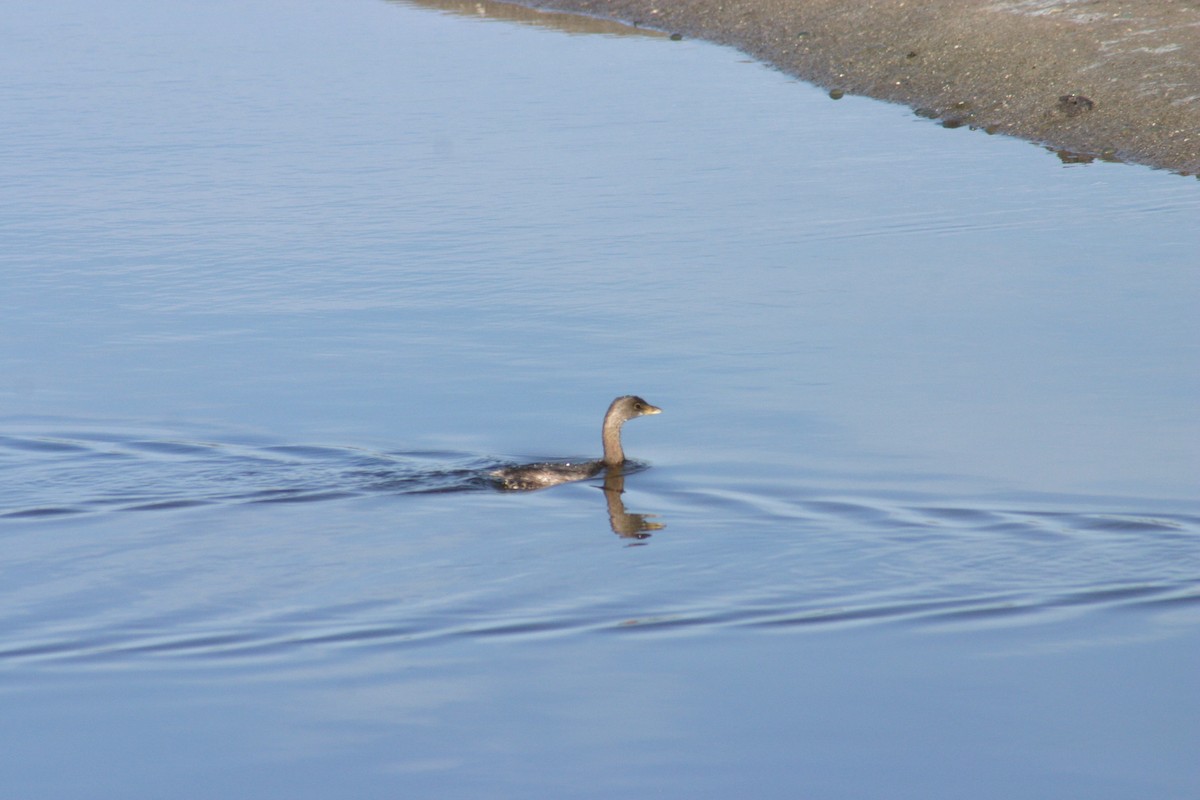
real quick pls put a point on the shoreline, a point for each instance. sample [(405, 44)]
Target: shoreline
[(1117, 80)]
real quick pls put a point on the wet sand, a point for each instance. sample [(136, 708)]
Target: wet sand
[(1110, 79)]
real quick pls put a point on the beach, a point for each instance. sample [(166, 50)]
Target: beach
[(1090, 79)]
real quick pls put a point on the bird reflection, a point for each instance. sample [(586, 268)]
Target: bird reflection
[(625, 524)]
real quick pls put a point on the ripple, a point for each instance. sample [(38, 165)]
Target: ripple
[(774, 559), (173, 448), (34, 513), (168, 505), (92, 472), (304, 633), (41, 445)]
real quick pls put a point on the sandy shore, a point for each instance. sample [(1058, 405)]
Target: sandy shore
[(1112, 79)]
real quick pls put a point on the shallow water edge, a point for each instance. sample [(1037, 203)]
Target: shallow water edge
[(1113, 80)]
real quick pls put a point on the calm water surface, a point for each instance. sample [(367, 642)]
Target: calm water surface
[(284, 281)]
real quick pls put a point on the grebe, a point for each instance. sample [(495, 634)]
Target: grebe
[(539, 476)]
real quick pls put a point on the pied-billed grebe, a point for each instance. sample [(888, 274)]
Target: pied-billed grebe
[(539, 476)]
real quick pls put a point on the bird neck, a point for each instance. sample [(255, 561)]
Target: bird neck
[(613, 453)]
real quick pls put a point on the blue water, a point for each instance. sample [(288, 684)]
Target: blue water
[(283, 282)]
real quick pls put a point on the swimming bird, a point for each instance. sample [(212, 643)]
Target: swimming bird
[(540, 476)]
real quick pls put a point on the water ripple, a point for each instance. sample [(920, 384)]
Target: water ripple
[(968, 613), (63, 474), (800, 560)]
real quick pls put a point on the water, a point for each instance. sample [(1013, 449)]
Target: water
[(283, 282)]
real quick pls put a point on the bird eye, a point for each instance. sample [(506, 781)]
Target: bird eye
[(638, 406)]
